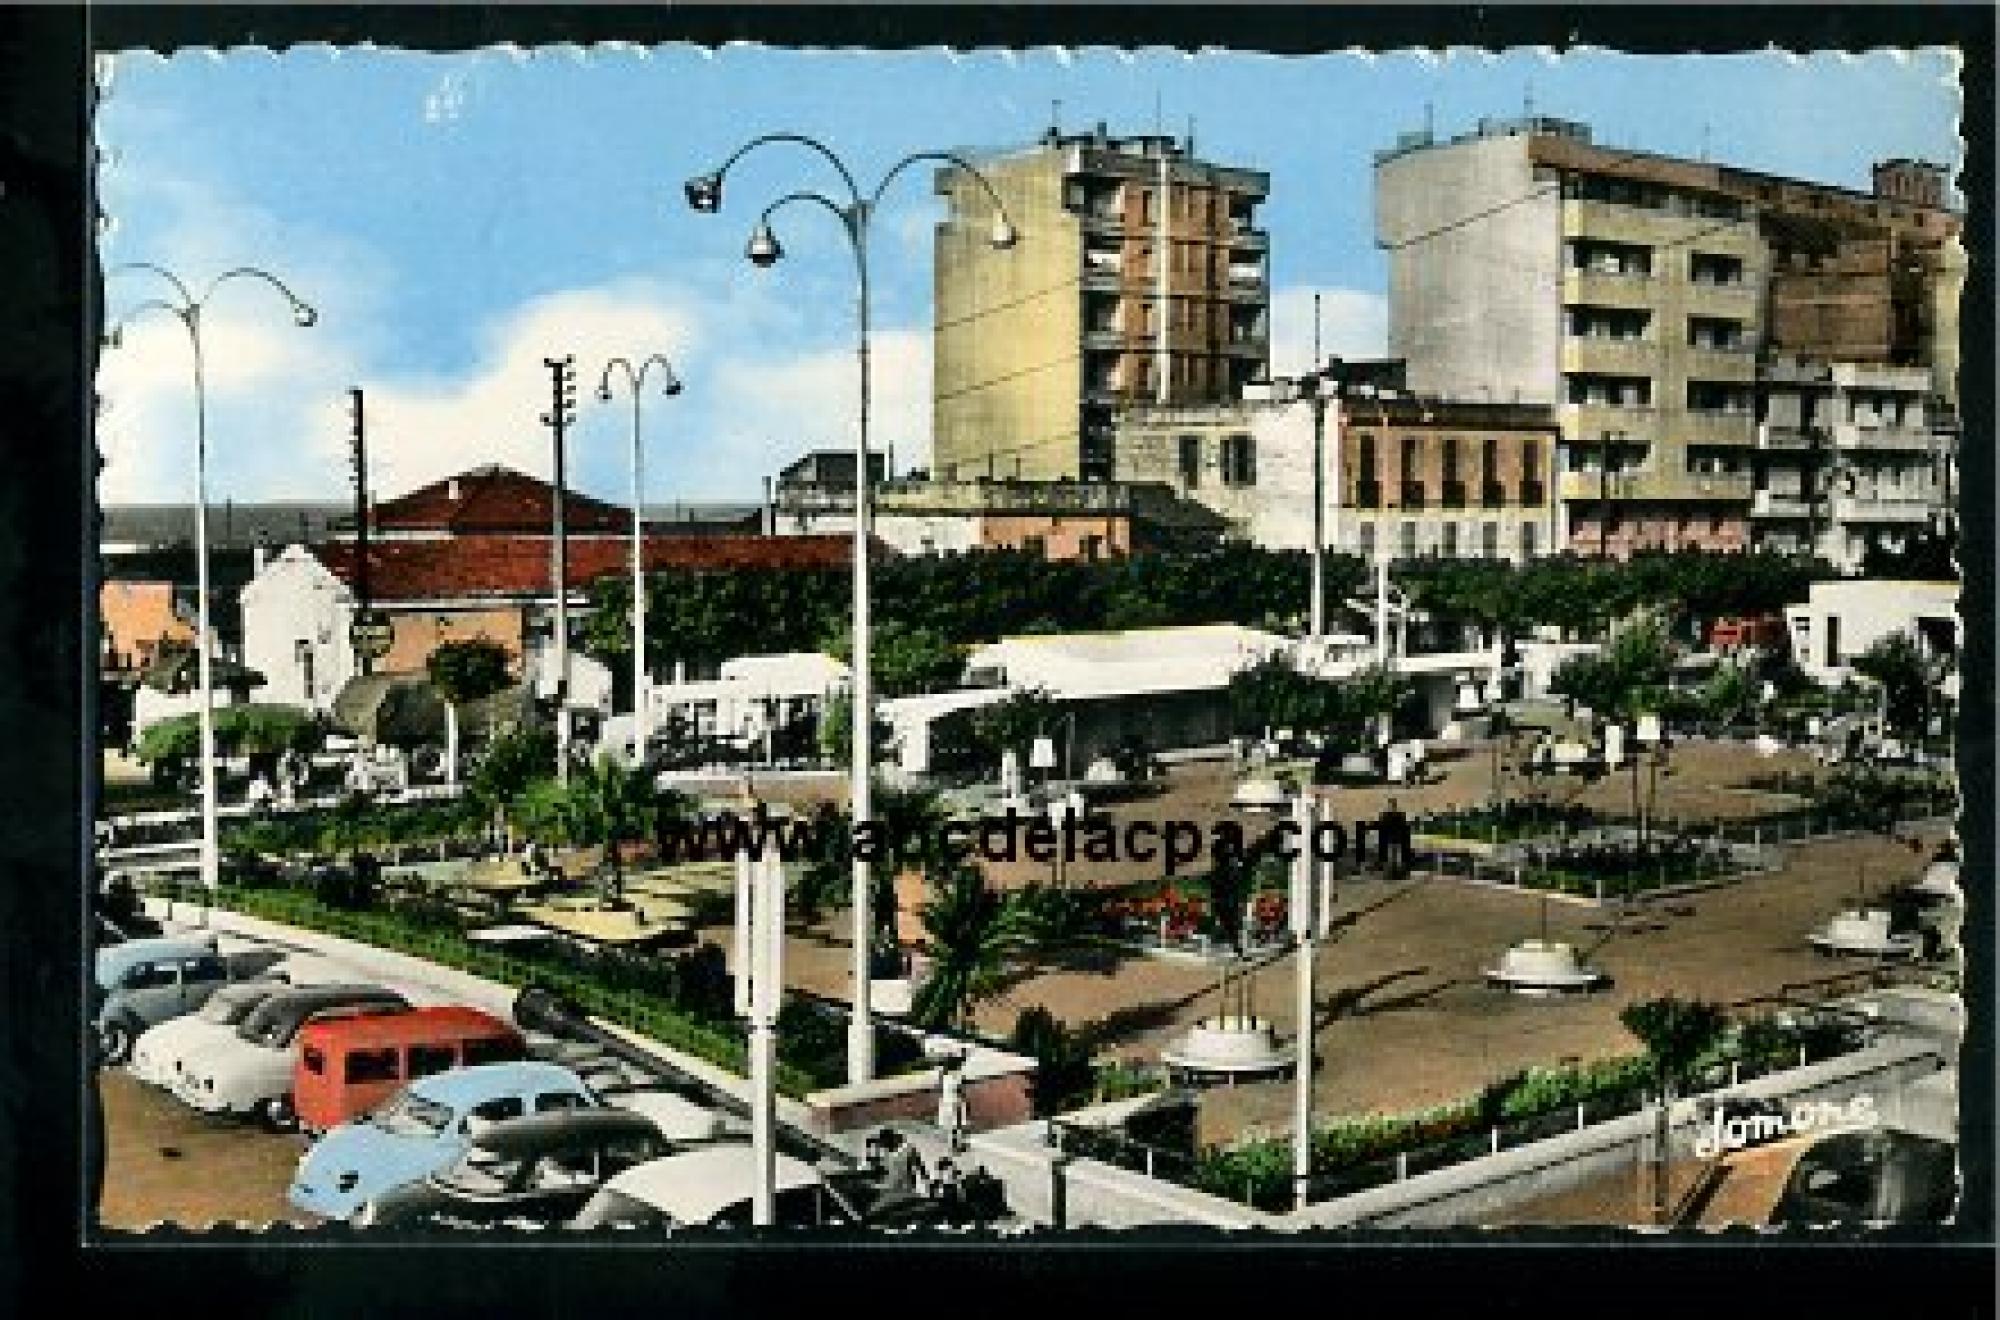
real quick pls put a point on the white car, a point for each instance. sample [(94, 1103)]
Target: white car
[(249, 1074), (711, 1187), (162, 1051)]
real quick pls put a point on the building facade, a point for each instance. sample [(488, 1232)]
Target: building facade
[(1139, 275), (1403, 476), (1849, 455), (1635, 292), (1062, 520)]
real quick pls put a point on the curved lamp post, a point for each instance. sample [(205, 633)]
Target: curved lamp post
[(187, 309), (635, 385), (855, 214)]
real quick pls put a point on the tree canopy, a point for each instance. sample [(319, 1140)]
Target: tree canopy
[(464, 671)]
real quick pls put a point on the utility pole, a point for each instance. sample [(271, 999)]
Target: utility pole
[(363, 658), (562, 412), (760, 942), (1305, 914)]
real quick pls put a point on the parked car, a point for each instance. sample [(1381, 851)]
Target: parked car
[(713, 1187), (425, 1127), (249, 1074), (141, 983), (349, 1065), (534, 1171), (1872, 1176), (161, 1051)]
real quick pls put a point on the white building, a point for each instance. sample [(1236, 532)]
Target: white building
[(296, 616), (1841, 620), (1849, 455), (751, 698)]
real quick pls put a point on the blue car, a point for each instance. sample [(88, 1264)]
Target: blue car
[(425, 1127)]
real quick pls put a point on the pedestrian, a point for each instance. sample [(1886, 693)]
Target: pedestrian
[(903, 1166), (952, 1115)]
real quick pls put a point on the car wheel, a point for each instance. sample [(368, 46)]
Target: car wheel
[(277, 1114), (115, 1040)]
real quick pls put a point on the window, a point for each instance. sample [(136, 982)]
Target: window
[(1365, 469), (1409, 458), (206, 968), (427, 1059), (1527, 540), (1190, 460), (1450, 548), (1239, 460), (498, 1110), (1832, 648), (499, 1049), (1409, 541), (1451, 458), (149, 976), (372, 1066), (313, 1059), (1145, 206), (1489, 540), (550, 1102), (1367, 543)]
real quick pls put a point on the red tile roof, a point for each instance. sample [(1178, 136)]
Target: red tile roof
[(494, 499), (487, 567)]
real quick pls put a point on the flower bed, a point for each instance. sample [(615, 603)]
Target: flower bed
[(1510, 822), (1351, 1154)]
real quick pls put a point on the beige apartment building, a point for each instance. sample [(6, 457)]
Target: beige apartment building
[(1139, 276), (1404, 477), (1635, 293)]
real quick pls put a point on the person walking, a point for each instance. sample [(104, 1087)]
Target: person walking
[(953, 1117)]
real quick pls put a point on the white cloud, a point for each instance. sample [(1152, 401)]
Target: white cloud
[(1353, 324), (768, 366)]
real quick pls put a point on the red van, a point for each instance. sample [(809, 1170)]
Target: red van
[(347, 1066)]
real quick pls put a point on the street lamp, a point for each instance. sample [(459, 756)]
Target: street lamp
[(187, 309), (704, 195), (670, 385)]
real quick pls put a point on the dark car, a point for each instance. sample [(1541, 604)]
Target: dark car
[(534, 1171), (1873, 1176)]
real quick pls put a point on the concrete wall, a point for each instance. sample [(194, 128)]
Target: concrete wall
[(1473, 305), (1007, 374), (1480, 1189)]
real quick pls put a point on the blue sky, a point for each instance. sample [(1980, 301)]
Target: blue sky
[(456, 218)]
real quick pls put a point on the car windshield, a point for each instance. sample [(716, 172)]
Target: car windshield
[(484, 1172), (410, 1115), (227, 1008), (614, 1209)]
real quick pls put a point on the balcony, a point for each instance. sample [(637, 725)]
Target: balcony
[(1367, 494), (1492, 494), (1534, 493), (1851, 436), (1244, 239), (1730, 429), (1249, 346), (1770, 436), (1776, 504), (1102, 222), (1451, 495), (1730, 364), (1585, 423), (1413, 495), (1610, 357), (1734, 301), (1860, 509), (1599, 288), (1108, 338), (1108, 279)]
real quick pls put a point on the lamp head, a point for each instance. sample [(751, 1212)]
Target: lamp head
[(671, 385), (704, 193), (305, 316), (763, 248), (1003, 235), (604, 392)]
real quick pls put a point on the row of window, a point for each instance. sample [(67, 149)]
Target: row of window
[(1367, 464), (1597, 256), (1628, 325), (1236, 460), (1484, 542), (1208, 318), (1590, 390), (1184, 202)]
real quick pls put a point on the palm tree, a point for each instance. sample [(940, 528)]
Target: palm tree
[(971, 934), (1676, 1033), (610, 803), (462, 672)]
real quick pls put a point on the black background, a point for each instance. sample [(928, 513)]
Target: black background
[(47, 615)]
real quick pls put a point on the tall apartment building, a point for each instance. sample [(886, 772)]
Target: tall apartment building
[(1139, 276), (1849, 455), (1635, 292)]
